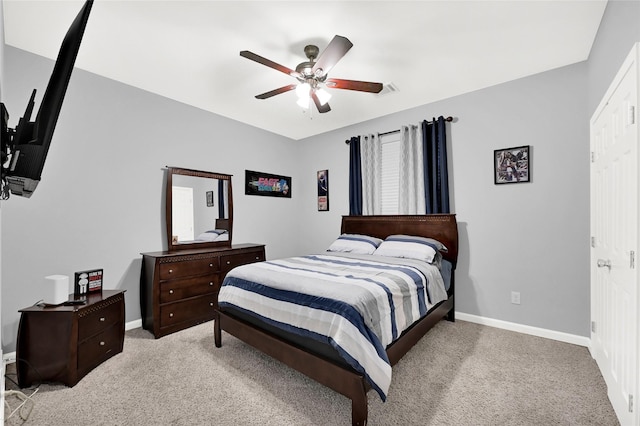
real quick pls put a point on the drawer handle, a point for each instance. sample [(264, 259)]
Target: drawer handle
[(170, 271), (101, 319), (170, 291), (101, 343), (211, 265), (228, 262), (257, 257), (211, 304), (211, 283), (170, 314)]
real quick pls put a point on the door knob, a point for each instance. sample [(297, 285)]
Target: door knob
[(604, 263)]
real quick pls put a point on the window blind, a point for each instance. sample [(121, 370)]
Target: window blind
[(390, 173)]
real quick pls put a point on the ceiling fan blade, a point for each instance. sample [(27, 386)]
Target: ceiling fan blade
[(336, 49), (276, 91), (360, 86), (321, 108), (264, 61)]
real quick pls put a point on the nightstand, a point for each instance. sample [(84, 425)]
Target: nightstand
[(64, 343)]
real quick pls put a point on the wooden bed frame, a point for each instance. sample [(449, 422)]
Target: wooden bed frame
[(340, 378)]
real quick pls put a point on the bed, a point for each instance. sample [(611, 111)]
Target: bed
[(220, 233), (214, 235), (325, 361)]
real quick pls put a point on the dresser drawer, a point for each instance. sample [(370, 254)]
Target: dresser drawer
[(95, 350), (98, 317), (174, 290), (198, 308), (230, 261), (186, 268)]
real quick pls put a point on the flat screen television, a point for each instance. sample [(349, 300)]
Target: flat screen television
[(25, 148)]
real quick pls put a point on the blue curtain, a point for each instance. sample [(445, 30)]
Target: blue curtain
[(221, 199), (355, 177), (436, 175)]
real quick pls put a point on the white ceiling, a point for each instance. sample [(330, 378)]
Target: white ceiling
[(430, 50)]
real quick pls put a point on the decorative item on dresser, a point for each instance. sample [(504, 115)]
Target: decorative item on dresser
[(179, 287), (65, 342)]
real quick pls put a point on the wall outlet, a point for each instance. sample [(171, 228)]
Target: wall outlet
[(515, 297)]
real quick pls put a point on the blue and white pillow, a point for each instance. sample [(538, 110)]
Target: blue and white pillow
[(411, 247), (211, 235), (355, 243)]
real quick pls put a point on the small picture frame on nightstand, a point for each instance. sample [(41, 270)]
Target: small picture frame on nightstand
[(87, 282)]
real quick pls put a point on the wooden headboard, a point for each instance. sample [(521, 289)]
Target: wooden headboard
[(442, 227), (222, 224)]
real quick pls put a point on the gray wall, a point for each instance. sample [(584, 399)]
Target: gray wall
[(101, 200), (530, 237), (619, 30)]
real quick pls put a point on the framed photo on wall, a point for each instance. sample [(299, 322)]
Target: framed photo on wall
[(267, 184), (512, 165), (209, 198), (323, 190)]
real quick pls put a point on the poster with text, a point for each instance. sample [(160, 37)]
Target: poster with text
[(258, 183)]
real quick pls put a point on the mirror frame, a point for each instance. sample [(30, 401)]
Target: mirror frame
[(169, 209)]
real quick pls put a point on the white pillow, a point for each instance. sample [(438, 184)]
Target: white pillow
[(411, 247), (355, 243), (211, 235)]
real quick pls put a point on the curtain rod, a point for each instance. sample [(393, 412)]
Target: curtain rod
[(396, 131)]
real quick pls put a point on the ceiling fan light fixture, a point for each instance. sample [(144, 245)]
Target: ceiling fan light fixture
[(303, 103), (303, 91), (323, 96)]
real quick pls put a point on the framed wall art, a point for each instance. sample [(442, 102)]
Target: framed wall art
[(512, 165), (267, 184), (323, 190), (209, 198)]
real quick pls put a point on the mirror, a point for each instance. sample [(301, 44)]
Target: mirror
[(199, 209)]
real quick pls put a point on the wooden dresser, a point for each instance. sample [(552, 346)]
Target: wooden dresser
[(64, 343), (179, 289)]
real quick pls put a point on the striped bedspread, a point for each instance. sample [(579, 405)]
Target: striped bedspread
[(358, 304)]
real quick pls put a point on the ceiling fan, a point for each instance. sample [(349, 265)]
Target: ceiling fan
[(312, 75)]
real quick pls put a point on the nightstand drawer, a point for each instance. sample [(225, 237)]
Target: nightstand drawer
[(97, 318), (228, 262), (92, 352), (172, 270), (199, 308), (174, 290)]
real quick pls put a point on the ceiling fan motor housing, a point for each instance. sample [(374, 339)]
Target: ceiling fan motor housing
[(305, 69), (311, 51)]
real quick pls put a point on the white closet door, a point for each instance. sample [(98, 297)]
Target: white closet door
[(182, 208), (614, 231)]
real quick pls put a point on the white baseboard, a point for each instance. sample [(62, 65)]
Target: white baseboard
[(10, 357), (133, 324), (526, 329)]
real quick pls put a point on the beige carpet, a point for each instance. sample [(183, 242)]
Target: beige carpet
[(459, 374)]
